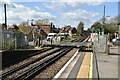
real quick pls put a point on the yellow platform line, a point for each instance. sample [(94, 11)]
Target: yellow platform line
[(85, 69), (91, 68)]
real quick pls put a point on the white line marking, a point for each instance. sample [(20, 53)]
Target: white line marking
[(65, 66)]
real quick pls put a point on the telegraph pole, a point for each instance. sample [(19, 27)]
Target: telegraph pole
[(103, 20), (5, 15), (104, 15)]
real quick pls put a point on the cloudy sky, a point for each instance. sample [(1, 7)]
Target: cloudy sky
[(61, 13)]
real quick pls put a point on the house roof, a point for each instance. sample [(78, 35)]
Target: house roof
[(72, 28), (46, 28), (67, 28), (45, 25), (10, 27), (26, 29)]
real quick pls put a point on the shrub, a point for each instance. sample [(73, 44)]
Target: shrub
[(9, 45)]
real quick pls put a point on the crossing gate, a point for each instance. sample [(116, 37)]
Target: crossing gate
[(100, 44)]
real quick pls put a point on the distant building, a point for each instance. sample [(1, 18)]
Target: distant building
[(70, 30), (14, 27), (32, 31), (47, 28)]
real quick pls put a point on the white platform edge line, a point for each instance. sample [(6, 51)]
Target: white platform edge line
[(65, 66)]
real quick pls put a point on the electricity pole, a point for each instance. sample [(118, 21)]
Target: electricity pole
[(103, 20), (5, 15), (104, 16)]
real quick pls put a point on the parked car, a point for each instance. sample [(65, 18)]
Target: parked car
[(62, 35), (50, 36), (116, 42)]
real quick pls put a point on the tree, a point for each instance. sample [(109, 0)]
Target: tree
[(4, 26), (16, 27), (80, 27), (43, 22), (110, 28), (111, 25), (23, 23)]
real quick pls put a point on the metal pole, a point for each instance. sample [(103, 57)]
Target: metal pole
[(104, 16), (5, 14)]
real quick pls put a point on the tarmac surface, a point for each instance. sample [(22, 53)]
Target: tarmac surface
[(108, 64)]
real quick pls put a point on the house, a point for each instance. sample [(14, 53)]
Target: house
[(39, 31), (47, 28), (70, 30), (65, 29), (32, 31), (14, 27)]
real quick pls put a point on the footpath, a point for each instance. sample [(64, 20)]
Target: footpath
[(109, 64)]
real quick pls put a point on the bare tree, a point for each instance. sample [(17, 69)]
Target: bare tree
[(43, 22)]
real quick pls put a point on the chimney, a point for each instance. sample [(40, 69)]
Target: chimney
[(51, 24)]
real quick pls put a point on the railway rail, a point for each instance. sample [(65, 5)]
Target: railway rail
[(78, 40), (6, 74), (39, 67), (27, 56), (30, 73), (27, 64)]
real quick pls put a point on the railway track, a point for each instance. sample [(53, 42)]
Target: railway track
[(27, 56), (6, 74), (39, 67), (78, 40), (30, 73)]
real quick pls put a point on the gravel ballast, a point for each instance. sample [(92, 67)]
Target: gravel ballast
[(26, 61), (53, 69)]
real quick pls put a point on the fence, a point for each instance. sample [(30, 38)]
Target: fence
[(12, 40)]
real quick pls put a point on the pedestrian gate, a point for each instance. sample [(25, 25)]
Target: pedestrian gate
[(100, 44)]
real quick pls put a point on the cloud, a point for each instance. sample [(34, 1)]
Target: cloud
[(22, 13), (17, 13), (75, 16), (83, 4), (55, 6), (39, 8), (80, 14), (5, 1)]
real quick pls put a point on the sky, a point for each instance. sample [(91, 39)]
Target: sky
[(60, 13)]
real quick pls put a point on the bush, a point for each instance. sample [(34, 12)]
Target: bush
[(9, 45), (112, 36)]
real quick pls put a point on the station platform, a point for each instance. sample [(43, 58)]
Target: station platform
[(88, 65)]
